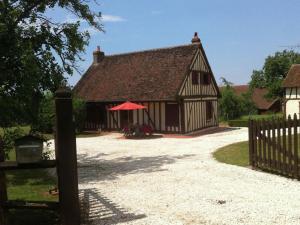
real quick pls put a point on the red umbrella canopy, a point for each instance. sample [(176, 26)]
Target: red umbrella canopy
[(127, 106)]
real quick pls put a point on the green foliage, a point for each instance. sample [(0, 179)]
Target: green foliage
[(274, 71), (8, 138), (233, 106), (257, 79), (37, 52), (229, 104), (46, 115), (79, 111), (238, 123)]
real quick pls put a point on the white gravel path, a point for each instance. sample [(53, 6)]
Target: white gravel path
[(176, 181)]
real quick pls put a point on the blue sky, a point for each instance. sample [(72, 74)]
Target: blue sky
[(237, 35)]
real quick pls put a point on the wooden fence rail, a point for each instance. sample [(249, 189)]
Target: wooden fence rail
[(274, 147)]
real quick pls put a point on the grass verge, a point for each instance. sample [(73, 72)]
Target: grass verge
[(30, 185), (234, 154)]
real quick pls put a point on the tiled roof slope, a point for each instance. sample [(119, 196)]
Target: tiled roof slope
[(147, 75), (293, 77)]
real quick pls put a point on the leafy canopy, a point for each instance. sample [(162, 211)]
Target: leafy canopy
[(274, 71), (37, 52), (232, 105)]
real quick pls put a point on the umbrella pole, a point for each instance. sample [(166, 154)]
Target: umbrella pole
[(128, 117)]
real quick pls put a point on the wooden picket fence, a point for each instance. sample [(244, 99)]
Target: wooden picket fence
[(273, 146)]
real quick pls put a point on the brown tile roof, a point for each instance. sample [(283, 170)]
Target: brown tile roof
[(293, 77), (147, 75), (258, 96)]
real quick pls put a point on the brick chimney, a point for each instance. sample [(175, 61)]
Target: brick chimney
[(196, 39), (98, 56)]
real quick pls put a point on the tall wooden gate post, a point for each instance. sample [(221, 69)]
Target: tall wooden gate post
[(65, 142), (3, 191)]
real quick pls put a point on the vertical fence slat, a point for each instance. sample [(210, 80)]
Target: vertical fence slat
[(250, 131), (278, 144), (274, 164), (284, 164), (295, 152), (264, 139), (289, 149), (254, 153), (259, 143), (269, 144), (3, 190)]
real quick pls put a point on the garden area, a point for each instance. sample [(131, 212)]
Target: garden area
[(30, 185)]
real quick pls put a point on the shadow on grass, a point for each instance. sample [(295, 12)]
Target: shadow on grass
[(98, 209), (32, 177), (94, 169), (33, 217)]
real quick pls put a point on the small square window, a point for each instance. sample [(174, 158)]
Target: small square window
[(205, 78), (195, 77)]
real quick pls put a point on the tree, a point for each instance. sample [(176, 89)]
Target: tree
[(232, 105), (37, 53), (274, 71), (229, 103), (46, 115)]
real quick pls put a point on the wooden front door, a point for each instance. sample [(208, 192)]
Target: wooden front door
[(126, 117), (172, 115)]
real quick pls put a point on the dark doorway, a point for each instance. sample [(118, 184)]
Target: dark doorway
[(126, 117), (209, 110), (172, 115), (96, 114)]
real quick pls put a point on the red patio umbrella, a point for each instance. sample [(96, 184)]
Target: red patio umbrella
[(127, 106)]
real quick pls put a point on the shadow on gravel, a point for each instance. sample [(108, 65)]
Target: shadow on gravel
[(97, 209), (94, 169)]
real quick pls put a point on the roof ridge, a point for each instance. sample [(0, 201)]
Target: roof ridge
[(151, 50)]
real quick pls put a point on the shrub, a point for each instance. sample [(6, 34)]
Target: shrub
[(79, 111), (8, 138), (46, 116), (238, 123)]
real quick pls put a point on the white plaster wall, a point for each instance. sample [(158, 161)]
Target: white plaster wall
[(292, 107)]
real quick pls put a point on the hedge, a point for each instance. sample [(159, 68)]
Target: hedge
[(238, 123)]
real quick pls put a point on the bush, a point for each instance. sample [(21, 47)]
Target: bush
[(238, 123), (46, 117), (79, 111), (8, 138)]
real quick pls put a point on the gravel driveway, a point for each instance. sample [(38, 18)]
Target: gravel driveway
[(176, 181)]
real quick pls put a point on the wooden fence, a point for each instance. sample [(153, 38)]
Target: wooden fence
[(273, 146)]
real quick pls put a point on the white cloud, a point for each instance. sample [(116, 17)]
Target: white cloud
[(112, 18), (104, 18)]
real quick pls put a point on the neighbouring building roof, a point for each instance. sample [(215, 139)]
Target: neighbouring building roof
[(258, 96), (293, 77), (138, 76)]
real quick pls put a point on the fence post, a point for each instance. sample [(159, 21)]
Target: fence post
[(66, 159), (295, 123), (250, 131), (3, 190)]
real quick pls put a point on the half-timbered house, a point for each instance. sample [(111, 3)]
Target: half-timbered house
[(176, 84), (291, 85)]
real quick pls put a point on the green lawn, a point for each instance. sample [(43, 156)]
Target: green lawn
[(263, 116), (84, 134), (30, 185), (234, 154), (238, 153)]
